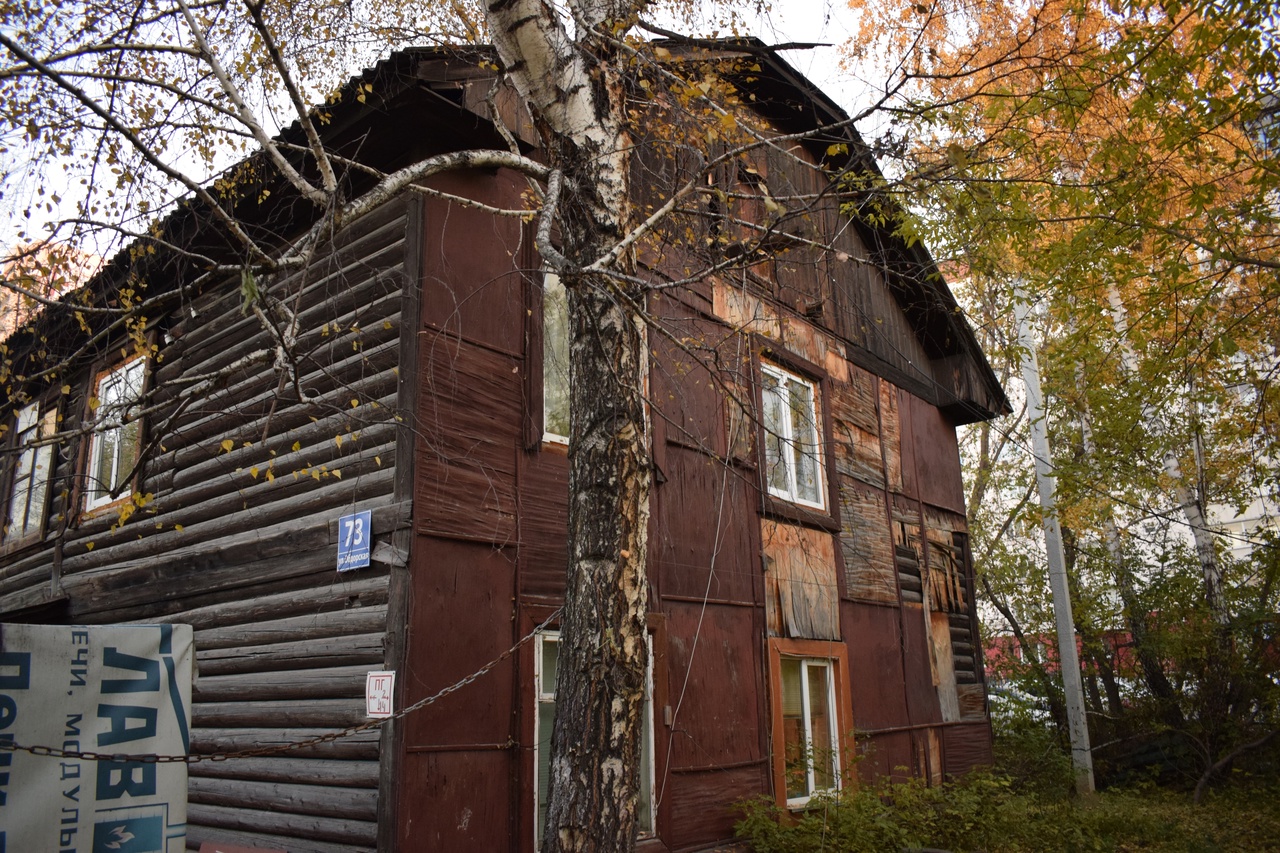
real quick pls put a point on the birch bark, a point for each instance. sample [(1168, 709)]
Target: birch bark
[(569, 72)]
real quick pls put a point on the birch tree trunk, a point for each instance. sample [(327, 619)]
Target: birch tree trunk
[(571, 77), (1188, 501), (1134, 614)]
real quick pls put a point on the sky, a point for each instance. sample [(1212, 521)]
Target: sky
[(827, 22)]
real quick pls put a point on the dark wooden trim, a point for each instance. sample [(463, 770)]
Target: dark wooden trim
[(400, 580), (531, 287), (76, 509), (828, 519)]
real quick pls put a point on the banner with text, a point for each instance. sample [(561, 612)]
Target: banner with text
[(120, 690)]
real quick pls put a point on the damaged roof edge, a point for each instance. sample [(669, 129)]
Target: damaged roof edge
[(778, 88)]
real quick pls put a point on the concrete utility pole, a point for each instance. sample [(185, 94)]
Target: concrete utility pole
[(1068, 658)]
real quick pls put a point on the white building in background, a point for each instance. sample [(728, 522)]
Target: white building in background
[(1243, 530)]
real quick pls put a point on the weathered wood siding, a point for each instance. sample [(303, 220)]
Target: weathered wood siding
[(238, 538), (884, 572)]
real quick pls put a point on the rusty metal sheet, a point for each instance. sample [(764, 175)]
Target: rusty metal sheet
[(472, 285), (544, 514), (704, 804), (714, 663), (922, 695), (973, 701), (966, 747), (801, 592), (866, 544), (885, 755), (684, 392), (873, 634), (459, 801), (461, 618), (936, 455), (469, 431), (701, 538)]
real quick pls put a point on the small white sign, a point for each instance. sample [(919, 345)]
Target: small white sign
[(355, 540), (378, 689)]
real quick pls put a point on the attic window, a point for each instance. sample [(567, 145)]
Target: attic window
[(116, 439)]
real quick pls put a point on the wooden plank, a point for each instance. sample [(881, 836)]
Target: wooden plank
[(310, 771), (336, 682), (358, 620), (198, 835), (39, 594), (891, 436), (234, 515), (149, 583), (299, 654), (355, 593), (249, 401), (361, 745), (323, 442), (328, 801), (306, 828), (801, 593), (314, 713)]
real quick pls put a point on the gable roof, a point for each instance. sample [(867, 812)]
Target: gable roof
[(419, 89)]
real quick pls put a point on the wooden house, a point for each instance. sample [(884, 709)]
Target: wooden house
[(811, 591)]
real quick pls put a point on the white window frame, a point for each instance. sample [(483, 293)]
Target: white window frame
[(28, 490), (811, 785), (555, 360), (785, 445), (645, 829), (116, 392)]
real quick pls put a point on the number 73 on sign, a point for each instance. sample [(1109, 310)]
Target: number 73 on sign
[(354, 540)]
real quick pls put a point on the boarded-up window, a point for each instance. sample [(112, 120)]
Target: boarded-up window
[(802, 598), (866, 544)]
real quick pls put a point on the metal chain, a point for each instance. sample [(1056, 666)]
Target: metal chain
[(189, 758)]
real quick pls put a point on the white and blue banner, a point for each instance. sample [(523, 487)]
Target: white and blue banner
[(114, 690)]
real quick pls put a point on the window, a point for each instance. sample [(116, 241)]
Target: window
[(810, 697), (555, 360), (793, 459), (546, 655), (29, 484), (808, 725), (114, 444)]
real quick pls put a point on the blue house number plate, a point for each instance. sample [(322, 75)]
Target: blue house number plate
[(355, 539)]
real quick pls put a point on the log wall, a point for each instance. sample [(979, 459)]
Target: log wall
[(238, 537)]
